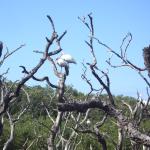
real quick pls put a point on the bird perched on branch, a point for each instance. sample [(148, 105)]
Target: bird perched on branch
[(146, 55), (68, 58), (1, 48), (64, 60)]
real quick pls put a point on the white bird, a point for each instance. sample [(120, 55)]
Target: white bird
[(62, 63), (68, 58), (64, 60), (88, 122)]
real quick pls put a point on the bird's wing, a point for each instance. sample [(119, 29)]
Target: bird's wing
[(68, 58), (62, 63)]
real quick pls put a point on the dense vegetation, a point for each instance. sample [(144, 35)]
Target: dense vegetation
[(32, 129)]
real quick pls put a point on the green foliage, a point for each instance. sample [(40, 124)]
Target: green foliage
[(34, 126), (30, 130)]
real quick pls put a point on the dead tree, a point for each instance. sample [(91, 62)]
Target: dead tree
[(67, 105), (13, 121), (126, 126), (146, 55), (9, 94)]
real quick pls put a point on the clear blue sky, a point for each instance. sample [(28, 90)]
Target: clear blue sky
[(26, 22)]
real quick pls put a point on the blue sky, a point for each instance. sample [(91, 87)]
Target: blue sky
[(26, 22)]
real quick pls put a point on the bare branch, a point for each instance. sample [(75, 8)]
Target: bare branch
[(99, 124), (104, 85), (52, 23), (124, 52), (11, 95), (59, 39), (10, 53), (38, 79), (129, 107), (48, 112), (134, 134), (11, 137)]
